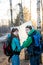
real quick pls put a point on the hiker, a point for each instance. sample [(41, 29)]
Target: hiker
[(15, 44), (15, 47), (12, 47), (32, 43)]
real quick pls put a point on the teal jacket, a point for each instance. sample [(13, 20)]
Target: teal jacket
[(15, 44)]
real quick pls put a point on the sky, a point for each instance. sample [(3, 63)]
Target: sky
[(5, 8)]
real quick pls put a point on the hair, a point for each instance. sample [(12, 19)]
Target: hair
[(13, 30), (30, 27)]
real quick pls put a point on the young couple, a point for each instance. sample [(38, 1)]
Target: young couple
[(15, 44)]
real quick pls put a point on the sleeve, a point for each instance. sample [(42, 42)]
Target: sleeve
[(15, 43), (27, 42)]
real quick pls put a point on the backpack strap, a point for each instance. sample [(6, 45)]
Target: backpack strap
[(32, 36)]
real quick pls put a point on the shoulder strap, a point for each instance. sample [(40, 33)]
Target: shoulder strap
[(10, 40), (32, 36)]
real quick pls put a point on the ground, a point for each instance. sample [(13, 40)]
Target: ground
[(3, 61)]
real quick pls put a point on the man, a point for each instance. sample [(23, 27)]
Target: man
[(29, 43)]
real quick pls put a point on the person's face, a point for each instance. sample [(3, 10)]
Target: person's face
[(16, 32), (27, 30)]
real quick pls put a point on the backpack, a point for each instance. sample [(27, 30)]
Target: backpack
[(7, 47), (35, 47)]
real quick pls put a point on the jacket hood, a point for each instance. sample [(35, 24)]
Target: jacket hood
[(31, 32)]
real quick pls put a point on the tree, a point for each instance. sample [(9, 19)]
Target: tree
[(27, 14), (17, 21)]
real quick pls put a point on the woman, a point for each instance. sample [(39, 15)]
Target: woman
[(15, 44)]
